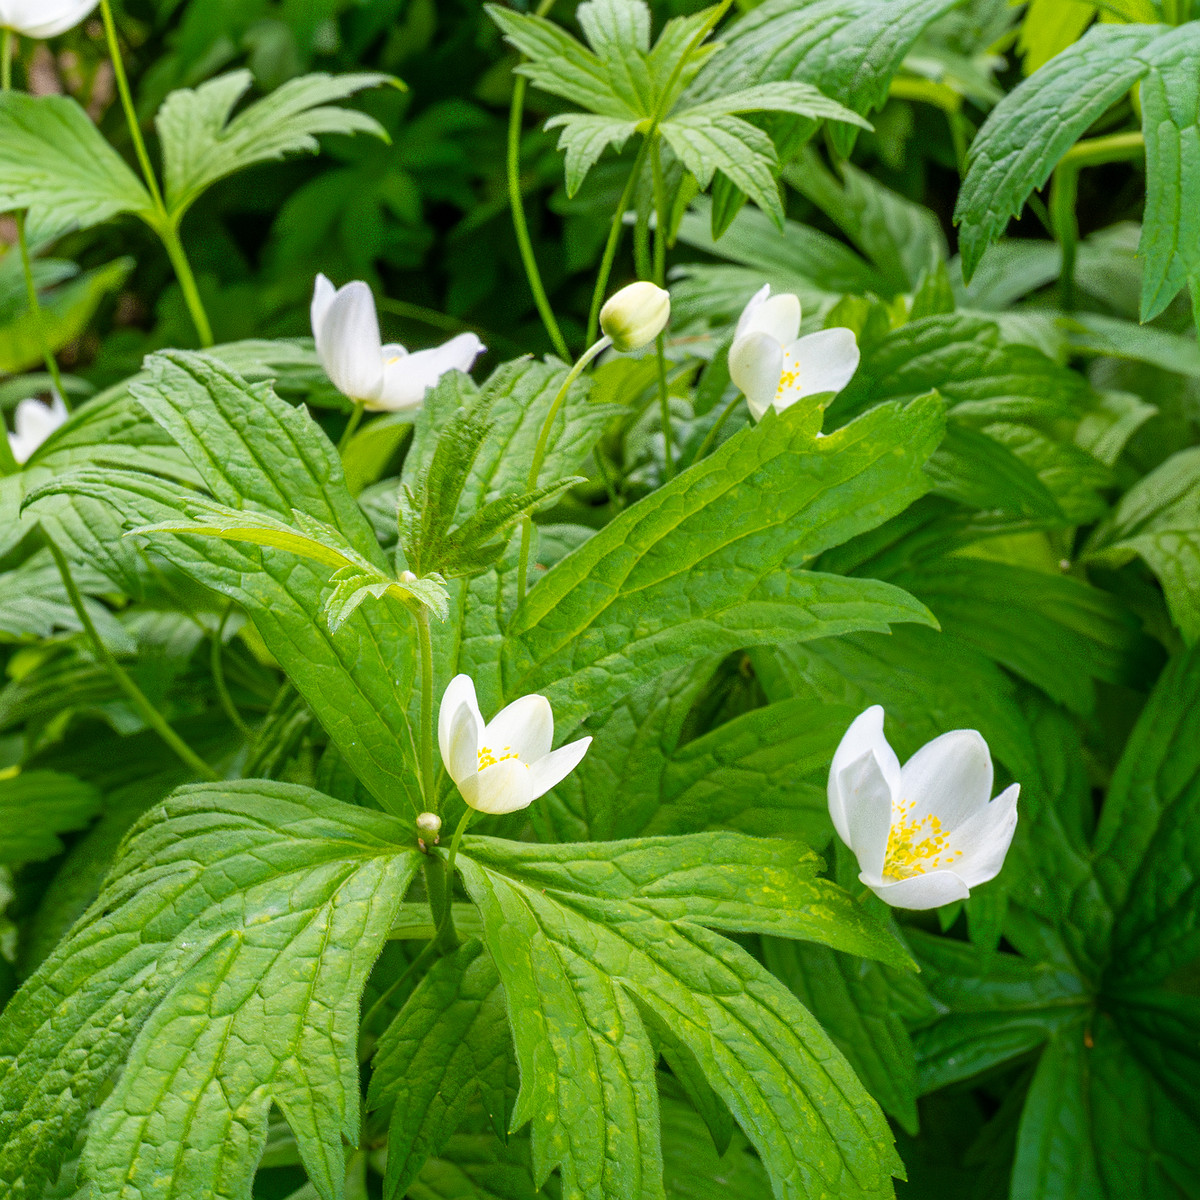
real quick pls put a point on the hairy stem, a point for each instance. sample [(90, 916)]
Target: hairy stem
[(121, 678), (539, 456)]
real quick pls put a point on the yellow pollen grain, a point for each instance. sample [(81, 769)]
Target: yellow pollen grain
[(789, 377), (488, 759), (914, 847)]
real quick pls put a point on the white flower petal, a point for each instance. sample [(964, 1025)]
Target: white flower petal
[(868, 811), (44, 18), (466, 729), (551, 770), (33, 423), (827, 362), (348, 342), (985, 838), (323, 295), (459, 693), (409, 377), (755, 364), (865, 736), (778, 317), (525, 727), (949, 778), (753, 305), (503, 787), (920, 891)]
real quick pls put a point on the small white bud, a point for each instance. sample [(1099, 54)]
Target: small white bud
[(409, 577), (429, 825), (635, 316)]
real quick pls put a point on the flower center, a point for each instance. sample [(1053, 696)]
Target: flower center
[(914, 847), (790, 376), (488, 759)]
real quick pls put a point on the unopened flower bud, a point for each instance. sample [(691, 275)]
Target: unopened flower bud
[(409, 577), (429, 825), (635, 316)]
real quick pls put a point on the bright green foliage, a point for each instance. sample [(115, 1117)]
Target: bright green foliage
[(259, 905), (629, 87), (587, 937), (35, 807), (1032, 128), (1159, 519), (787, 496), (202, 144)]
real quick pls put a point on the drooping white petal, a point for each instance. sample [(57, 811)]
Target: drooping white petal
[(554, 768), (985, 838), (466, 731), (868, 810), (865, 736), (525, 728), (755, 364), (43, 18), (825, 362), (33, 423), (459, 693), (406, 378), (949, 778), (776, 316), (503, 787), (752, 306), (348, 342), (930, 890)]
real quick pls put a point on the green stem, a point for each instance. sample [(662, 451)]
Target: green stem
[(137, 697), (355, 417), (35, 309), (218, 674), (8, 461), (426, 642), (664, 407), (614, 239), (539, 455), (6, 57), (660, 276), (165, 225), (1114, 148), (1064, 190), (710, 437)]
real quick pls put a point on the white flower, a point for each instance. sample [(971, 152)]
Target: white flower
[(925, 833), (382, 378), (34, 423), (773, 366), (635, 316), (506, 764), (43, 18)]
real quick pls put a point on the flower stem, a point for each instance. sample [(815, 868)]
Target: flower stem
[(137, 697), (426, 642), (8, 461), (351, 426), (614, 238), (539, 455), (6, 57), (660, 276), (218, 674), (711, 436), (165, 225), (35, 309)]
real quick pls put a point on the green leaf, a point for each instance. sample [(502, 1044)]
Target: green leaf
[(1049, 27), (855, 1003), (801, 99), (1148, 841), (251, 449), (1158, 519), (982, 377), (56, 163), (708, 562), (35, 807), (578, 932), (448, 1042), (584, 138), (202, 145), (223, 964), (849, 49)]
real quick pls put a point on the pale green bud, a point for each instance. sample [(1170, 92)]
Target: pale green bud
[(429, 825), (635, 316)]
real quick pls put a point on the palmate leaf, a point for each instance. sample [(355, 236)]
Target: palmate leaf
[(218, 972), (202, 144), (252, 450), (711, 561), (1031, 129), (587, 938)]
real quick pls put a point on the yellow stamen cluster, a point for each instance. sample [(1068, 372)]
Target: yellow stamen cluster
[(914, 847), (790, 376), (488, 759)]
